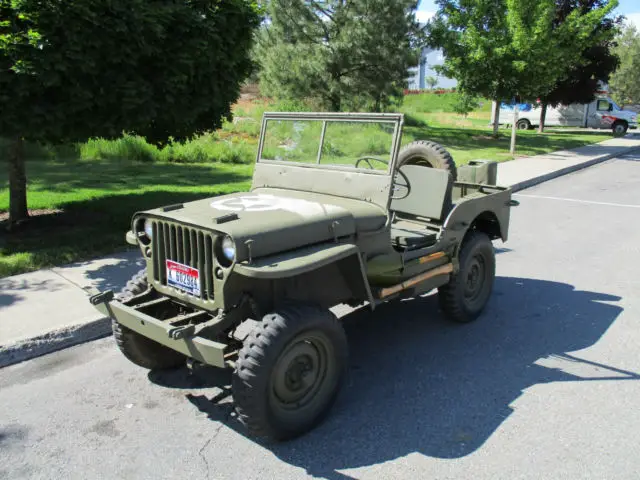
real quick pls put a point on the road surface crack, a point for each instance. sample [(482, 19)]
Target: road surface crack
[(210, 440)]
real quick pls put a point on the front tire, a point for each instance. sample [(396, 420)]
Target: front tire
[(289, 371), (135, 347), (620, 128), (465, 296), (523, 124)]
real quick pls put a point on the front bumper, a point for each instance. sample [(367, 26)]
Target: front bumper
[(200, 349)]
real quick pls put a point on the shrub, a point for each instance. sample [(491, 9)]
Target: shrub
[(465, 103), (129, 147), (209, 148)]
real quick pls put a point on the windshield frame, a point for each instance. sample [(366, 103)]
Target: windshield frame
[(394, 118)]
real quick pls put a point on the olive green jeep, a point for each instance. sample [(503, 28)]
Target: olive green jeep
[(337, 214)]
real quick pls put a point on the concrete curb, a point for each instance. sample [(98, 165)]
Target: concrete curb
[(54, 340), (573, 168)]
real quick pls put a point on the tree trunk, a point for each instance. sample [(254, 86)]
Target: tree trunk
[(17, 183), (512, 150), (543, 116), (335, 104), (376, 107), (496, 118)]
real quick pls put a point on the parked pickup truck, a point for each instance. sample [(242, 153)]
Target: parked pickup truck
[(336, 214)]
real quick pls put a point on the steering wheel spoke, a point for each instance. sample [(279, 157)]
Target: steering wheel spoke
[(403, 187)]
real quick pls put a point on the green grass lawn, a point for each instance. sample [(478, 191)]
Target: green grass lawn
[(82, 208), (82, 197)]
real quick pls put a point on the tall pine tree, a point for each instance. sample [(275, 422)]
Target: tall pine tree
[(341, 54)]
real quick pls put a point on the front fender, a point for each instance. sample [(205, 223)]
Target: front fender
[(309, 259), (295, 262)]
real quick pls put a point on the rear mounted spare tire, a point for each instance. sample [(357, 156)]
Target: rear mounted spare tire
[(428, 154)]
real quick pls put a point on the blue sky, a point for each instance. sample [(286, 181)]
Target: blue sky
[(630, 8)]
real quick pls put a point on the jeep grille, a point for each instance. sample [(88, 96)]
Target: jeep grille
[(185, 245)]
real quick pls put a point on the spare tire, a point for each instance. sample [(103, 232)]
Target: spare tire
[(429, 154)]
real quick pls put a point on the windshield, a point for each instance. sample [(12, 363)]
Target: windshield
[(615, 106), (362, 144)]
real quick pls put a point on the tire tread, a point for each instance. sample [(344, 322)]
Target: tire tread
[(449, 294), (251, 366), (414, 149)]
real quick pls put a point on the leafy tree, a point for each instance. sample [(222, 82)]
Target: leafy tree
[(71, 70), (431, 82), (502, 49), (340, 54), (625, 82), (599, 60), (465, 103)]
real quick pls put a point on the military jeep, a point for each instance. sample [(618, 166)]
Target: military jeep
[(337, 214)]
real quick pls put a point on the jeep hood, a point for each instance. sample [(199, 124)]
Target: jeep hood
[(276, 220)]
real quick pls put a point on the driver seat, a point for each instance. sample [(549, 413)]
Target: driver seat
[(418, 218)]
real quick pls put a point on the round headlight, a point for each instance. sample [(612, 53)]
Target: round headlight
[(228, 248), (148, 228)]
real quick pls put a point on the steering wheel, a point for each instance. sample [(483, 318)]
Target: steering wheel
[(403, 187), (367, 158)]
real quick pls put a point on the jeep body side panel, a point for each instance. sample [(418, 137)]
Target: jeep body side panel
[(396, 267)]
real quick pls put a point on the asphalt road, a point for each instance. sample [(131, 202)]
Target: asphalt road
[(544, 386)]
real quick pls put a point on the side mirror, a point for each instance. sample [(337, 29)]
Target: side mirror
[(610, 107)]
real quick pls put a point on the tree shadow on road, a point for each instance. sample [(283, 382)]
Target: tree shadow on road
[(418, 383)]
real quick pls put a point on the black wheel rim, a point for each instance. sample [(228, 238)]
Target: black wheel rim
[(301, 378), (475, 279)]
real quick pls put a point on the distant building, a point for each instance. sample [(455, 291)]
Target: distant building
[(418, 75)]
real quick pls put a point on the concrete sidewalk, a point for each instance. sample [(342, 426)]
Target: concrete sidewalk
[(47, 310), (528, 171)]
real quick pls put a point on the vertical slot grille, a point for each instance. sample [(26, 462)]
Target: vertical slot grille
[(187, 246)]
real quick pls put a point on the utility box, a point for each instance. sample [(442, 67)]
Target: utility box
[(479, 171)]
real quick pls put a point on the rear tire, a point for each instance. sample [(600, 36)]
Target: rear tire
[(523, 124), (137, 348), (428, 154), (463, 299), (289, 371)]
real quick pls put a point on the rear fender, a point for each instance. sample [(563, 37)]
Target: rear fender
[(490, 214)]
